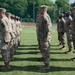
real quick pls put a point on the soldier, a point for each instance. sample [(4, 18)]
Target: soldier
[(5, 38), (14, 29), (37, 28), (18, 25), (45, 36), (12, 36), (61, 30), (58, 24), (73, 29), (68, 31)]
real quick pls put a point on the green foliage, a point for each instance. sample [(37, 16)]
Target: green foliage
[(63, 5), (23, 8)]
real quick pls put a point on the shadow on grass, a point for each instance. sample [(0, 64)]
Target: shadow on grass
[(28, 45), (57, 53), (55, 48), (35, 69), (27, 48), (36, 59), (19, 53)]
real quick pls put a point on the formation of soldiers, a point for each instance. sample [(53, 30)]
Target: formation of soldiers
[(44, 34), (67, 26), (10, 30)]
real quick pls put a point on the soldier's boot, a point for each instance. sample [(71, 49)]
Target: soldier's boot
[(73, 59), (63, 47), (70, 52), (46, 67), (6, 67), (59, 44)]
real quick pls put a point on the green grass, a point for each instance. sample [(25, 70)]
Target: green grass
[(26, 63)]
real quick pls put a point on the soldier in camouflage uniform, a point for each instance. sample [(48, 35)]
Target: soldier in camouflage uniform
[(18, 25), (58, 27), (45, 35), (5, 38), (61, 30), (12, 36), (37, 28), (73, 29), (68, 26)]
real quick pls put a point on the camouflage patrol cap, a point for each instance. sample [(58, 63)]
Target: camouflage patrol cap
[(16, 17), (61, 14), (8, 14), (44, 7), (12, 15), (2, 10), (68, 12)]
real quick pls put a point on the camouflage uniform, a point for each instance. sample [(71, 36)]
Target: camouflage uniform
[(5, 39), (61, 30), (37, 28), (45, 36), (73, 31), (18, 25), (68, 32), (15, 36)]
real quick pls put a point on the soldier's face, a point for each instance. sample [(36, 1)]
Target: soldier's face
[(2, 14), (42, 11), (73, 11)]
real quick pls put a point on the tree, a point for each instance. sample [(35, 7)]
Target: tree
[(63, 5)]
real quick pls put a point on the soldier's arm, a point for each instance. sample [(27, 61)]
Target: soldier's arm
[(45, 26), (5, 26)]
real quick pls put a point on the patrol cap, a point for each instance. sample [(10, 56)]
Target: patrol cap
[(68, 12), (12, 15), (8, 14), (44, 7), (2, 10), (61, 14), (16, 17)]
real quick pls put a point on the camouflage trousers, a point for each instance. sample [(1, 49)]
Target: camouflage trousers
[(69, 40), (38, 40), (12, 50), (61, 38), (5, 51), (73, 38), (44, 49)]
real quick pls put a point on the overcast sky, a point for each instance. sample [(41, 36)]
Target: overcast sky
[(71, 1)]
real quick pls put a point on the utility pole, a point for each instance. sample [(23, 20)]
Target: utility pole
[(69, 5), (33, 10)]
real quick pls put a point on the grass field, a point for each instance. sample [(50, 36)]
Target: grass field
[(26, 63)]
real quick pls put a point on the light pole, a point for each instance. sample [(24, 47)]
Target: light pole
[(33, 10), (69, 5)]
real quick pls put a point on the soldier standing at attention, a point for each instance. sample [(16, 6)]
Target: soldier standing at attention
[(58, 27), (68, 32), (12, 36), (73, 30), (37, 28), (61, 30), (45, 35), (5, 38)]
